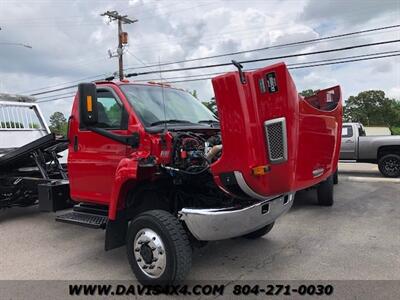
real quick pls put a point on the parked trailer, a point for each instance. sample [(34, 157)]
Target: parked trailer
[(28, 154), (161, 173)]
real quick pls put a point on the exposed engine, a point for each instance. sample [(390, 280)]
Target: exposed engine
[(192, 153)]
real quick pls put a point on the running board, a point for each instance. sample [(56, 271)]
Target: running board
[(83, 219)]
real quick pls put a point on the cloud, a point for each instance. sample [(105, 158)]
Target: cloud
[(394, 92), (347, 12), (70, 40)]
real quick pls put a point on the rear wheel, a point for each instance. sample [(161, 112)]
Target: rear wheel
[(158, 248), (389, 165), (325, 192), (260, 232)]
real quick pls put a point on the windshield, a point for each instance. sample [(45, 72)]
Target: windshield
[(180, 106)]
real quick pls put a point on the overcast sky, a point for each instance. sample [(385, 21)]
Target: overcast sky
[(70, 40)]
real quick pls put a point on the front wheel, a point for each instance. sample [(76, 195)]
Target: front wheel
[(260, 232), (335, 177), (389, 165), (158, 248), (325, 192)]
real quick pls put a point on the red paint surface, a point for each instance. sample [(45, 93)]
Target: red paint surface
[(313, 135), (102, 170)]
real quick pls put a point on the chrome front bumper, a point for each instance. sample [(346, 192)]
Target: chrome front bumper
[(224, 223)]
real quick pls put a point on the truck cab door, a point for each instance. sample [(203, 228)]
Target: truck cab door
[(348, 149), (93, 158)]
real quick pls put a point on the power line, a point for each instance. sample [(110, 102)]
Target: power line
[(57, 95), (55, 99), (292, 67), (265, 59), (99, 76), (137, 58), (302, 67), (270, 47), (55, 90), (243, 62), (294, 64)]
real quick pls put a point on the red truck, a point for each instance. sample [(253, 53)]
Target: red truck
[(161, 173)]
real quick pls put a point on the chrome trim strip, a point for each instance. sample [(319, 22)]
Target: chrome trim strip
[(245, 188), (318, 172), (284, 139)]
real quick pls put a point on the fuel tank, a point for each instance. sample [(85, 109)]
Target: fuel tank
[(274, 141)]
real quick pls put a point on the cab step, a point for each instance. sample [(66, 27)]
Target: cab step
[(84, 219)]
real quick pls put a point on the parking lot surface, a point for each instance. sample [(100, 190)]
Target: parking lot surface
[(357, 238), (363, 172)]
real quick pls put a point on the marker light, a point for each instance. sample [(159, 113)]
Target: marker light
[(89, 105), (260, 170)]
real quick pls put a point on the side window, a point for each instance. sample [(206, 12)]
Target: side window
[(109, 110), (361, 131), (347, 131)]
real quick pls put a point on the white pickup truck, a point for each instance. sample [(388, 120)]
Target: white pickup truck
[(383, 150)]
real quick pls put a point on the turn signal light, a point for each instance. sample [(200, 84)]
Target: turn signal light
[(260, 170), (89, 105)]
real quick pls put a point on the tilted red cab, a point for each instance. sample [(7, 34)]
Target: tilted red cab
[(265, 123)]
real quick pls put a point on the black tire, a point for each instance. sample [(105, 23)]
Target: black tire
[(335, 177), (259, 232), (178, 252), (325, 192), (389, 165)]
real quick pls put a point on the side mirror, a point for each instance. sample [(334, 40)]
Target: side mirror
[(87, 104)]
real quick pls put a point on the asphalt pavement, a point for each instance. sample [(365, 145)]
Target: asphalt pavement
[(357, 238)]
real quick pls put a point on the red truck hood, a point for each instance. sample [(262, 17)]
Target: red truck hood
[(264, 122)]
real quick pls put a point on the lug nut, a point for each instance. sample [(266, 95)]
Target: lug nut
[(144, 267), (151, 267), (137, 249), (139, 260)]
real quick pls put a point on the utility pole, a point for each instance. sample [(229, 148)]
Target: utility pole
[(122, 37)]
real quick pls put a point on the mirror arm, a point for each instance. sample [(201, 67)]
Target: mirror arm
[(132, 140)]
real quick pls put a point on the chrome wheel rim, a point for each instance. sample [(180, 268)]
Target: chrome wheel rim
[(149, 251)]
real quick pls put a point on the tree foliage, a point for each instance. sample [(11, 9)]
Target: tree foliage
[(373, 108), (194, 93), (211, 105), (11, 124), (308, 93), (58, 123)]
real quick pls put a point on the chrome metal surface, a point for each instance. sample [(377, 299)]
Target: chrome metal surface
[(223, 223), (318, 172), (245, 188), (150, 254), (276, 137)]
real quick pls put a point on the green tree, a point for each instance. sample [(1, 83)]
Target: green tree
[(308, 93), (114, 113), (58, 123), (211, 105), (11, 124), (372, 108), (194, 93)]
